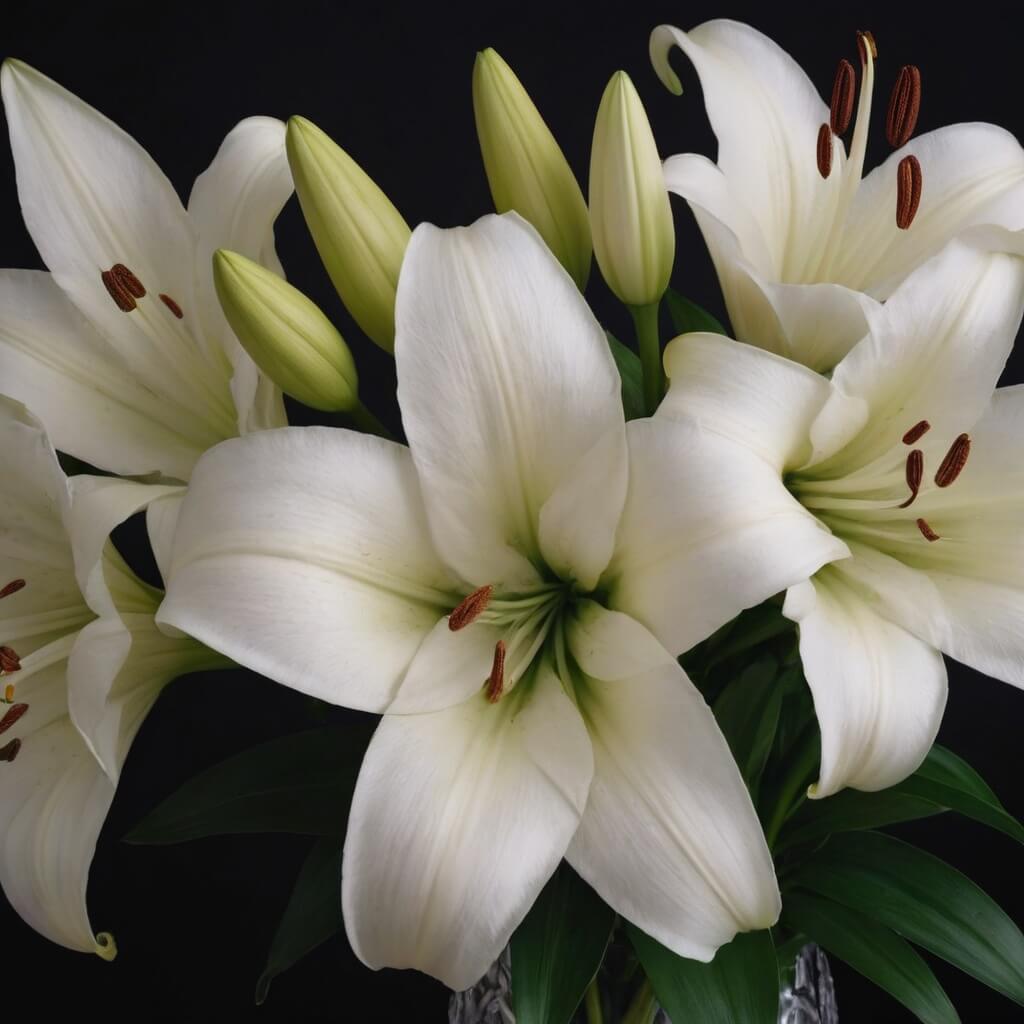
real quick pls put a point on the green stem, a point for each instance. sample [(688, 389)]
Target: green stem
[(645, 320), (793, 791), (592, 1003), (367, 422), (642, 1008)]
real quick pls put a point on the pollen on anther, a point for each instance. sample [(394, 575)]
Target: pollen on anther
[(131, 284), (117, 291), (11, 588), (915, 472), (954, 462), (470, 608), (10, 751), (13, 714), (9, 660), (496, 681), (904, 106), (916, 432), (908, 191), (171, 305), (824, 150), (926, 531), (841, 107)]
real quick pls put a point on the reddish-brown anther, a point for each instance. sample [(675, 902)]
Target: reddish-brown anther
[(10, 752), (865, 44), (954, 462), (13, 714), (131, 284), (468, 610), (117, 291), (12, 588), (171, 305), (915, 471), (9, 660), (824, 150), (843, 88), (496, 682), (908, 191), (916, 432), (926, 531), (904, 106)]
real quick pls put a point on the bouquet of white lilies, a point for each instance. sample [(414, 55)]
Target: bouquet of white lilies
[(654, 635)]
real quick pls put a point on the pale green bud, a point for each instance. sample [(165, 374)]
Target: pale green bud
[(288, 337), (526, 169), (359, 234), (630, 216)]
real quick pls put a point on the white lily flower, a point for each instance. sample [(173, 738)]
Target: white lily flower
[(122, 350), (879, 454), (803, 260), (489, 587), (82, 662)]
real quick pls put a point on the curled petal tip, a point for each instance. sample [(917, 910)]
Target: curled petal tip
[(106, 947), (663, 38)]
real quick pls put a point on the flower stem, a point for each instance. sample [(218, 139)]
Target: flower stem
[(793, 791), (368, 423), (645, 320), (592, 1003), (642, 1008)]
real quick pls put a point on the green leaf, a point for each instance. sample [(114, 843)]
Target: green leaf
[(740, 986), (751, 628), (924, 900), (313, 914), (558, 948), (872, 950), (747, 712), (301, 783), (688, 317), (632, 375)]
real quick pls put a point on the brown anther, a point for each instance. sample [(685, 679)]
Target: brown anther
[(843, 88), (824, 150), (131, 284), (865, 45), (496, 681), (908, 191), (926, 531), (904, 106), (117, 291), (9, 660), (955, 460), (10, 752), (12, 588), (915, 471), (470, 608), (916, 432), (13, 714), (171, 305)]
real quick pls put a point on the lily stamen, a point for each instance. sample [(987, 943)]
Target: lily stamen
[(954, 462), (916, 432), (915, 472), (908, 191), (172, 305), (496, 680), (118, 292), (9, 660), (9, 693), (10, 752), (904, 105), (926, 531), (128, 281), (843, 88), (824, 150), (470, 608), (13, 714), (12, 588)]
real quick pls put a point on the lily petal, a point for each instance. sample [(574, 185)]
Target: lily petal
[(459, 818), (879, 692), (505, 381), (304, 554), (669, 837), (708, 530)]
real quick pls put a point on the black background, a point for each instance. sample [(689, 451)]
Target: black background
[(391, 83)]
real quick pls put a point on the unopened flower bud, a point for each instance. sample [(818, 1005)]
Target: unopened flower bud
[(526, 169), (630, 216), (359, 234), (288, 337)]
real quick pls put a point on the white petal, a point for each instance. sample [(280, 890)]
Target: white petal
[(934, 353), (505, 381), (669, 837), (303, 553), (765, 113), (879, 692), (965, 169), (52, 359), (459, 818), (161, 525), (56, 798), (708, 530), (233, 205)]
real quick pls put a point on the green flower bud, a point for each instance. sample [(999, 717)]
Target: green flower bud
[(288, 337), (634, 239), (525, 167), (359, 234)]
